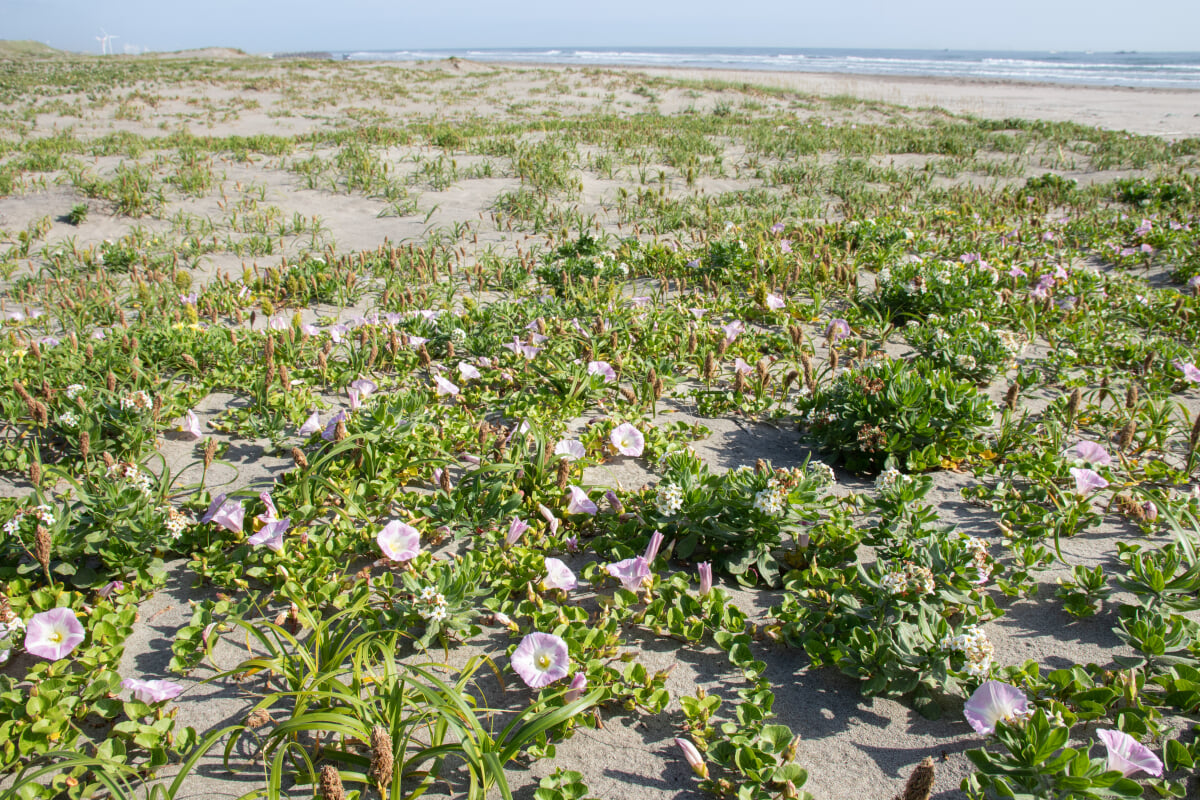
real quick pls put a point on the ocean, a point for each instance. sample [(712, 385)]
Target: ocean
[(1139, 70)]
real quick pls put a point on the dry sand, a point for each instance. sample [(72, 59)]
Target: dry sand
[(853, 747)]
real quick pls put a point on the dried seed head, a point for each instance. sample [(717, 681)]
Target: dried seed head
[(210, 452), (1131, 396), (339, 432), (1010, 397), (41, 545), (862, 350), (85, 445), (111, 381), (108, 459), (722, 346), (691, 341), (298, 457), (23, 394), (444, 480), (563, 474), (739, 382), (658, 388), (833, 360), (1194, 439), (1125, 437), (381, 755), (40, 414), (423, 356), (1147, 363), (1073, 403), (807, 365), (285, 379), (920, 783), (791, 377), (710, 366), (191, 362), (156, 408), (331, 783), (541, 326), (260, 717), (761, 370), (628, 394), (322, 363), (451, 353)]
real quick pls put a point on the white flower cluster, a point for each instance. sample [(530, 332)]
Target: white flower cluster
[(431, 605), (891, 478), (68, 419), (771, 501), (137, 401), (8, 630), (43, 512), (980, 558), (1012, 343), (668, 499), (914, 579), (74, 390), (458, 336), (974, 643), (965, 361), (176, 521), (822, 471), (130, 472)]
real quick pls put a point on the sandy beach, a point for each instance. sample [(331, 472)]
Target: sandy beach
[(243, 165)]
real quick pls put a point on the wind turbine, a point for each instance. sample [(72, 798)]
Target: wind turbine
[(105, 48)]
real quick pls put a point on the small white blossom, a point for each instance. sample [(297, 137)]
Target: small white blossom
[(668, 499)]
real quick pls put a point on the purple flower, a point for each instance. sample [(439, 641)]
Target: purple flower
[(541, 659), (399, 542), (444, 387), (1087, 481), (152, 691), (230, 515), (467, 372), (740, 365), (614, 502), (1189, 371), (775, 302), (1092, 453), (1127, 755), (785, 245), (733, 330), (515, 529), (53, 634), (656, 540), (628, 440), (271, 534), (994, 702), (191, 425), (311, 425), (630, 572), (559, 575), (580, 503), (111, 588), (705, 570), (777, 227), (578, 687), (272, 513), (837, 329), (603, 369)]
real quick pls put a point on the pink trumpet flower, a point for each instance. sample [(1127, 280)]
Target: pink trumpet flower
[(311, 425), (578, 687), (580, 503), (1127, 755), (515, 529), (1092, 453), (541, 659), (1087, 481), (191, 425), (53, 634), (631, 572), (706, 578), (271, 534), (995, 702), (628, 440), (152, 691), (559, 575), (693, 757), (398, 541), (651, 553)]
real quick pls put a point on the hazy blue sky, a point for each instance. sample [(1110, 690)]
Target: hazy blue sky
[(280, 25)]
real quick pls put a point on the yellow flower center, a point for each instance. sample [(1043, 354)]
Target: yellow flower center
[(56, 636), (543, 661)]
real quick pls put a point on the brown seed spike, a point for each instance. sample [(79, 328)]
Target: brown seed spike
[(1010, 397), (1125, 437), (1131, 396), (564, 474), (299, 458), (41, 542), (920, 783), (381, 755), (331, 783), (1194, 439), (1073, 403), (85, 445)]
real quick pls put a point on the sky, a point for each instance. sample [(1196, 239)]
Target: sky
[(263, 26)]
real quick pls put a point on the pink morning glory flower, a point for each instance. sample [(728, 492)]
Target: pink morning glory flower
[(706, 579), (468, 372), (311, 425), (775, 302), (693, 757), (230, 515), (656, 540), (603, 369), (580, 503), (570, 449), (152, 691), (614, 502), (111, 588), (1190, 372), (578, 687), (777, 227), (630, 572), (733, 330), (191, 425), (217, 502), (365, 386), (515, 529), (551, 520), (541, 659), (628, 440), (994, 702), (559, 575), (399, 542), (1087, 481), (1092, 453), (272, 513), (740, 365), (1127, 755), (837, 329), (444, 387), (53, 634), (271, 534)]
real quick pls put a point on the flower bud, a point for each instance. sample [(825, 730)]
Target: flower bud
[(693, 758)]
